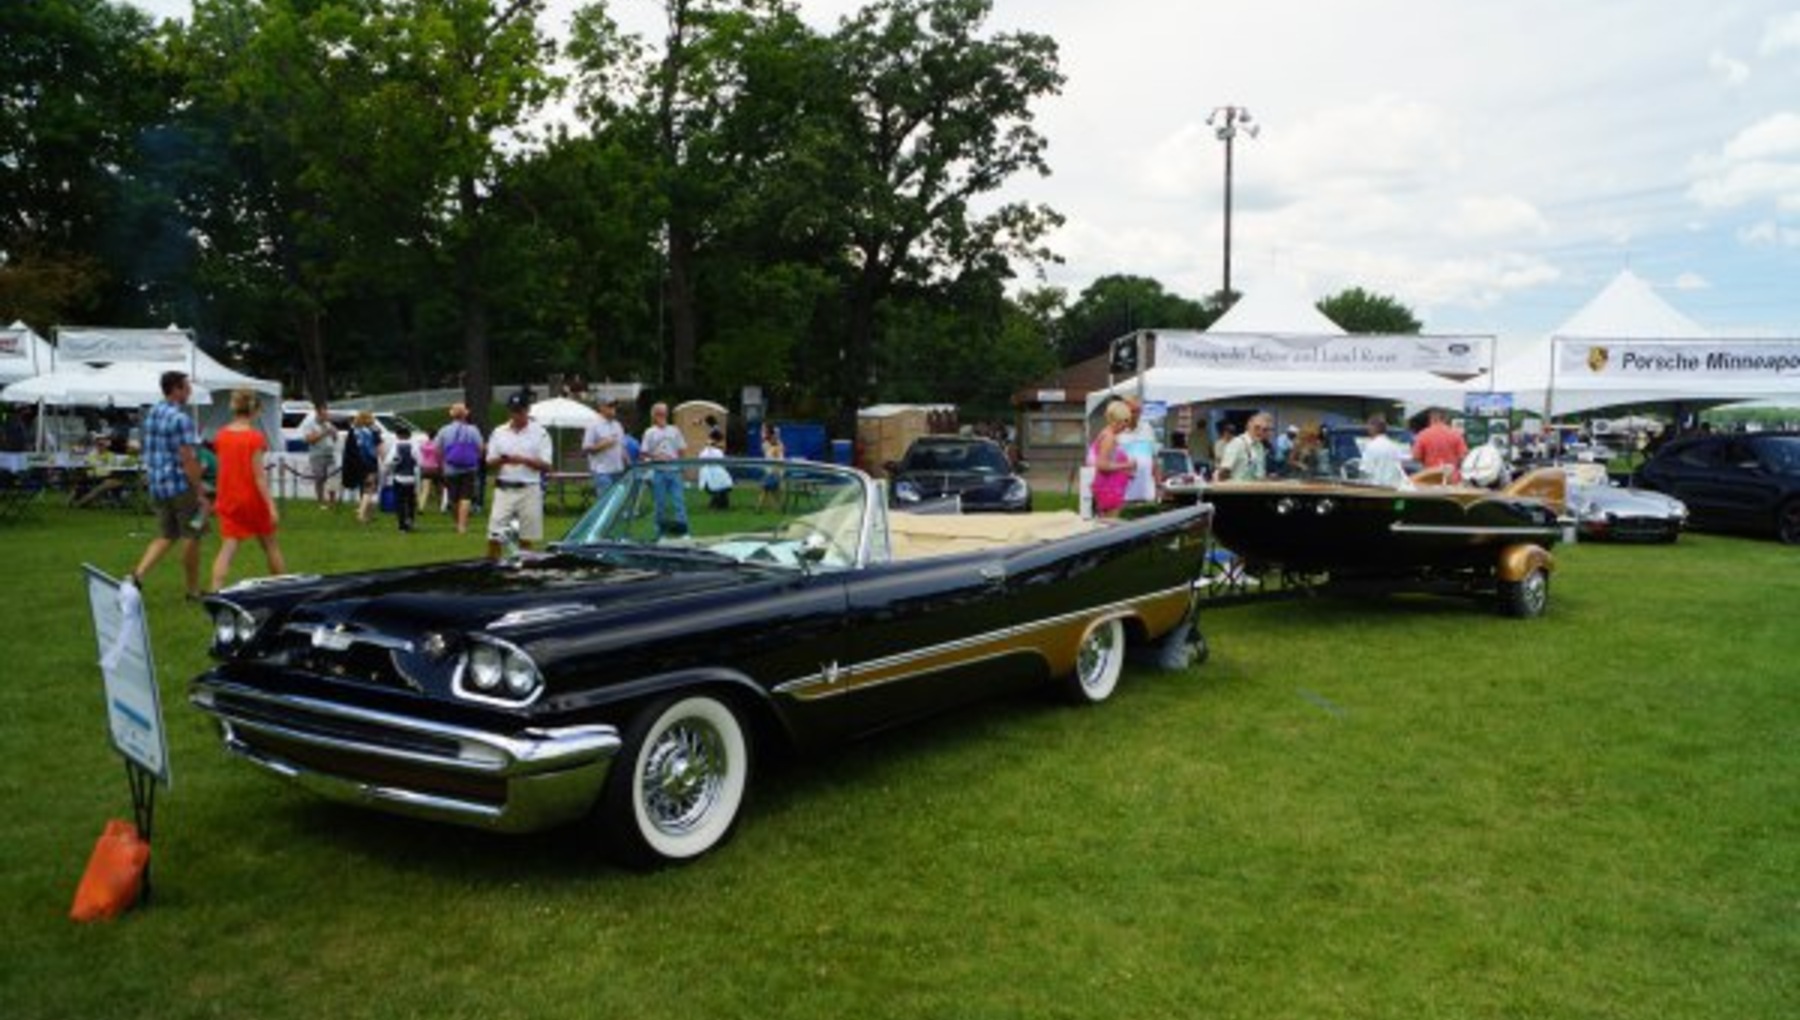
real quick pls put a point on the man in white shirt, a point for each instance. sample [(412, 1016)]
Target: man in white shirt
[(1246, 457), (1382, 461), (663, 442), (1139, 443), (604, 444), (518, 454), (321, 438)]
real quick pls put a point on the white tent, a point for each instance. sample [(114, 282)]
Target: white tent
[(154, 351), (120, 384), (1275, 343), (563, 413), (23, 354), (1628, 346)]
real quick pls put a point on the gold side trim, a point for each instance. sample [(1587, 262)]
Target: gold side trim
[(1159, 611)]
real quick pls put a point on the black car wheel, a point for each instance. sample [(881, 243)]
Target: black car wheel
[(678, 785), (1098, 661), (1787, 522), (1526, 597)]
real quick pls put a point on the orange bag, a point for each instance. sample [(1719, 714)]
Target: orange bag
[(115, 874)]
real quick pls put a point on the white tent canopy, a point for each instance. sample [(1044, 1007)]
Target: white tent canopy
[(563, 413), (1419, 371), (1628, 346), (121, 384), (129, 358), (23, 354)]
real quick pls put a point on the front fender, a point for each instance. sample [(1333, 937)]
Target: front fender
[(621, 701)]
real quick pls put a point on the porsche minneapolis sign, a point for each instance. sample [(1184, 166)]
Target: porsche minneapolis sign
[(1679, 359)]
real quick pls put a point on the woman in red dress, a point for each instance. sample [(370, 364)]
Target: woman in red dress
[(244, 506)]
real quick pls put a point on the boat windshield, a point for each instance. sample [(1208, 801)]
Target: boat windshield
[(791, 514)]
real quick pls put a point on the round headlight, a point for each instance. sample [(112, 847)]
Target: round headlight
[(485, 667), (521, 675), (906, 492), (224, 626), (244, 626)]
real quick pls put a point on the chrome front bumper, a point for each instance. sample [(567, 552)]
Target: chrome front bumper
[(507, 782)]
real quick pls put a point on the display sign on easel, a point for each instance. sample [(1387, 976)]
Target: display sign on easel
[(133, 702)]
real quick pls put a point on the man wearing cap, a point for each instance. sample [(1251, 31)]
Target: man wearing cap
[(518, 454), (603, 442)]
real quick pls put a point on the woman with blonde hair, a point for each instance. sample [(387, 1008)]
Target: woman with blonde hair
[(362, 463), (1113, 470), (244, 505)]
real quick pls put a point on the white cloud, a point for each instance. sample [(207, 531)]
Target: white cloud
[(1759, 165), (1782, 33), (1769, 234), (1692, 281), (1732, 72)]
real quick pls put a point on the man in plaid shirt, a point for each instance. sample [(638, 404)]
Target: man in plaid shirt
[(172, 469)]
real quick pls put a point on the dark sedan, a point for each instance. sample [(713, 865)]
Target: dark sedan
[(974, 471), (1733, 482)]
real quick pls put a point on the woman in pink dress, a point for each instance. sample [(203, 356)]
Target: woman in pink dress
[(244, 506), (1112, 468)]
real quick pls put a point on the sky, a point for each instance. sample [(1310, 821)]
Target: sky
[(1491, 164)]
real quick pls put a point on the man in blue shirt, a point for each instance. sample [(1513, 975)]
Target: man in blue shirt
[(172, 469)]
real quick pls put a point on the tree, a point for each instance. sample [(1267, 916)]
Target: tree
[(940, 117), (1358, 311), (1113, 306), (80, 88), (722, 105), (362, 144)]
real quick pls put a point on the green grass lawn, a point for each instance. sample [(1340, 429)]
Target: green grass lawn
[(1405, 808)]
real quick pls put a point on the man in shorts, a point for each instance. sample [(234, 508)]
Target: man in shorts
[(518, 453), (321, 438), (172, 468)]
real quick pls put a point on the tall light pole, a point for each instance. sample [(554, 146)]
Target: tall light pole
[(1226, 122)]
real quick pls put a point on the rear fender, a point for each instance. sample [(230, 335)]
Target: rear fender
[(1518, 561)]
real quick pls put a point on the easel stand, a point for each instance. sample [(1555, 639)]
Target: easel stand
[(143, 810)]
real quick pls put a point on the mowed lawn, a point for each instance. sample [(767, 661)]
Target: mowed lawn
[(1406, 808)]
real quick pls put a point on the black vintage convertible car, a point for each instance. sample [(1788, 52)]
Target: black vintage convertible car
[(627, 677)]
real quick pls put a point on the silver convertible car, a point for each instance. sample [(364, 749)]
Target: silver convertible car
[(1607, 512)]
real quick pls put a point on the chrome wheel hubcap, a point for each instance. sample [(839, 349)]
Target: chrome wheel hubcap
[(683, 773)]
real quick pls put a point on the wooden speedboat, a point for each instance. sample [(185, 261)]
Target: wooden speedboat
[(1483, 540)]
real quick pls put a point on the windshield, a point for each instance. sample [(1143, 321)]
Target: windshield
[(983, 458), (792, 514)]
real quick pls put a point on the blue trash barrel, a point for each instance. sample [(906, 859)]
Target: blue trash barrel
[(842, 452)]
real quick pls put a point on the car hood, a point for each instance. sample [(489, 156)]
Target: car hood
[(946, 483), (1626, 501), (478, 595)]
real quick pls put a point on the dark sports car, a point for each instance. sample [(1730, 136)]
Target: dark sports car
[(628, 677), (975, 471), (1733, 482)]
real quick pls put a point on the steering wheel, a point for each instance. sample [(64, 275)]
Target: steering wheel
[(811, 531)]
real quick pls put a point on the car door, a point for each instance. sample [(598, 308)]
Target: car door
[(1730, 486), (921, 636)]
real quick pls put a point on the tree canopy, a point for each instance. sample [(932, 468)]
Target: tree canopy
[(356, 195)]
